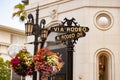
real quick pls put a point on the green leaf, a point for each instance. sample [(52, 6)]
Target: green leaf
[(19, 6), (22, 18), (1, 59), (16, 14), (21, 13), (4, 70), (7, 63)]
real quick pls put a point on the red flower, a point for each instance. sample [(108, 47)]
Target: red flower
[(15, 61), (22, 64)]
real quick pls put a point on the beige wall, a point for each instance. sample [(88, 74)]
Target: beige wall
[(84, 11), (5, 37), (9, 36)]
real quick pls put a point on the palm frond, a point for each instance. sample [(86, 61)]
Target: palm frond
[(18, 13), (14, 14), (24, 13), (19, 6), (22, 18), (21, 13)]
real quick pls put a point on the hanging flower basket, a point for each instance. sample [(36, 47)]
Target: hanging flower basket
[(47, 62), (22, 63)]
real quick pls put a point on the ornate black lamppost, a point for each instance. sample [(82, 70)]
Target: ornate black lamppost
[(38, 30)]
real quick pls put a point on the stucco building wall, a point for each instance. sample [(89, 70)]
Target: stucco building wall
[(9, 36), (103, 35)]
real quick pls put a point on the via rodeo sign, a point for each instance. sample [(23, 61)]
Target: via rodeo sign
[(71, 30)]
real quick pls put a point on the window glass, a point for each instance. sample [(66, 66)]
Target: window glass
[(103, 67)]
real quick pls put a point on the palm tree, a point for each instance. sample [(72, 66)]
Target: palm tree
[(21, 13)]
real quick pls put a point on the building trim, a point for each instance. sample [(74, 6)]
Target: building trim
[(29, 10), (12, 30), (69, 10), (107, 15), (88, 7), (95, 60)]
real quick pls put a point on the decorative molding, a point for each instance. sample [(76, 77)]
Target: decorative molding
[(30, 10), (43, 6), (54, 14), (103, 20), (111, 56), (53, 23)]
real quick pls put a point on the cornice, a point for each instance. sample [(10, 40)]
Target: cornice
[(43, 6), (32, 9), (11, 30), (69, 10)]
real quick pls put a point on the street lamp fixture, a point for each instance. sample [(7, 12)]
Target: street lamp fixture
[(38, 30), (28, 28)]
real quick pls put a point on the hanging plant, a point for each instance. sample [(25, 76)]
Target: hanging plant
[(47, 62), (22, 63)]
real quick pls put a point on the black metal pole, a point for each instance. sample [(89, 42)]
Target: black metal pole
[(35, 49), (36, 27), (70, 47)]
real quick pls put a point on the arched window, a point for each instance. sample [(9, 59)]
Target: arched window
[(104, 65)]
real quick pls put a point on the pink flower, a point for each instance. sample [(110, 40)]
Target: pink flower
[(15, 61)]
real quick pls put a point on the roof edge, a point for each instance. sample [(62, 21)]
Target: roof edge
[(12, 30)]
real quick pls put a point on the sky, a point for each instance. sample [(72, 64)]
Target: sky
[(6, 11)]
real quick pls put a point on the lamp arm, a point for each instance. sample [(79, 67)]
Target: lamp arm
[(42, 23), (31, 19)]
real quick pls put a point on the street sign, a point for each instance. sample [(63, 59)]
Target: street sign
[(69, 29), (70, 36)]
